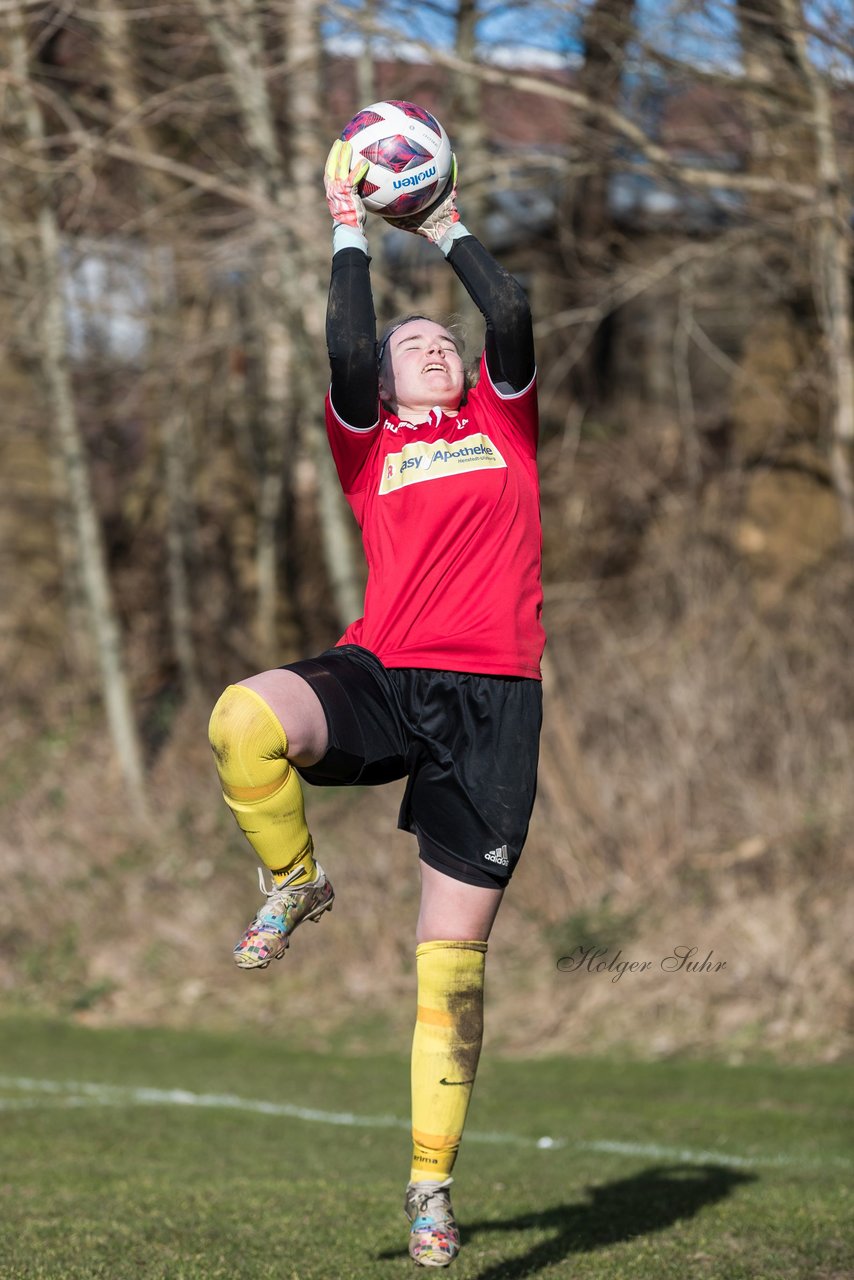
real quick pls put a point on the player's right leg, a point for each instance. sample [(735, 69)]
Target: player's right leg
[(335, 720), (253, 752)]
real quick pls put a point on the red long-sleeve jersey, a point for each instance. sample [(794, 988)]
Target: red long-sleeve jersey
[(450, 519)]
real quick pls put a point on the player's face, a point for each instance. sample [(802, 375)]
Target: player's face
[(426, 368)]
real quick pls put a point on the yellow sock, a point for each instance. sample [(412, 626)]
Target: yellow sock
[(445, 1052), (258, 783)]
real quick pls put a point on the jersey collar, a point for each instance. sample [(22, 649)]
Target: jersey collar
[(434, 417)]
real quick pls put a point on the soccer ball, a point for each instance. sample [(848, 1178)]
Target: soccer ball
[(409, 154)]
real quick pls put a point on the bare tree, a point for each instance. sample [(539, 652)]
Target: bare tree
[(794, 181), (153, 187), (366, 80), (466, 111), (217, 185), (289, 306), (236, 31), (584, 222), (794, 136), (52, 349), (307, 152), (831, 271)]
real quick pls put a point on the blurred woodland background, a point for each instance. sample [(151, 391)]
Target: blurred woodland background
[(672, 187)]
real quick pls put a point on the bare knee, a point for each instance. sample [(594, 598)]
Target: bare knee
[(451, 910), (299, 711)]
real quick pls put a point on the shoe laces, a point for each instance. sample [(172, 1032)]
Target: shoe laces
[(278, 892), (433, 1202)]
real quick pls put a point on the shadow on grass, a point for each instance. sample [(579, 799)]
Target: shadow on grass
[(615, 1212)]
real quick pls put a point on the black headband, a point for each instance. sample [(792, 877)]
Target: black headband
[(393, 330)]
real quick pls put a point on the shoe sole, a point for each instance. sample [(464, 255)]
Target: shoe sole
[(243, 962)]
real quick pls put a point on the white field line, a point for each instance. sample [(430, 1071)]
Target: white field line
[(74, 1093)]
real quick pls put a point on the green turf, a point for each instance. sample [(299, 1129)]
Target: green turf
[(119, 1188)]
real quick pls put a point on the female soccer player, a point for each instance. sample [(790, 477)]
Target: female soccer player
[(439, 682)]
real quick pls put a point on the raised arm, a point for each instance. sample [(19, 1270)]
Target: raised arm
[(498, 296), (351, 338), (504, 306), (351, 327)]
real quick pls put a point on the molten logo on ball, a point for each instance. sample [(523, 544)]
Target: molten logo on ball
[(409, 154)]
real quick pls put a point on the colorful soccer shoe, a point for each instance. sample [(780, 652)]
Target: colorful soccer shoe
[(269, 933), (434, 1238)]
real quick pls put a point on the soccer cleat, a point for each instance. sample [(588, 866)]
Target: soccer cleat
[(434, 1238), (269, 933)]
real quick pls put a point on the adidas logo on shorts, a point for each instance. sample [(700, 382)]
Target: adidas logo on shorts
[(498, 855)]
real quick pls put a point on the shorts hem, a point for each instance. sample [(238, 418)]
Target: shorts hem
[(457, 868)]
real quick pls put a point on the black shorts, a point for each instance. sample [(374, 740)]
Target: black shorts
[(467, 743)]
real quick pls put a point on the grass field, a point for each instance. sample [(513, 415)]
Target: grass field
[(153, 1154)]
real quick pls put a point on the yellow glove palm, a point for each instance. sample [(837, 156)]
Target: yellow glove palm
[(340, 180)]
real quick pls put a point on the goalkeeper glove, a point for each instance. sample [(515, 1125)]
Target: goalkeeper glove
[(438, 218), (340, 179)]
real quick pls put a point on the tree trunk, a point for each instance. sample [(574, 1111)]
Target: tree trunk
[(175, 427), (298, 291), (235, 30), (278, 437), (56, 378), (366, 78), (307, 154), (467, 127), (794, 139), (774, 104), (116, 49), (171, 409), (831, 267), (466, 122), (585, 218)]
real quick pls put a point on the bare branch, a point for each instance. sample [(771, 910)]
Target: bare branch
[(616, 121)]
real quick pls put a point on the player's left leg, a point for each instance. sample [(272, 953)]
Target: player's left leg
[(469, 800), (454, 923)]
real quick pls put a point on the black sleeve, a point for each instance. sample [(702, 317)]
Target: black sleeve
[(351, 337), (503, 304)]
